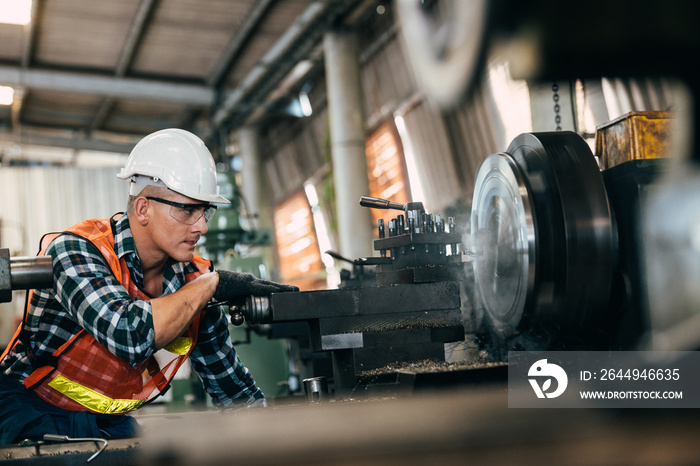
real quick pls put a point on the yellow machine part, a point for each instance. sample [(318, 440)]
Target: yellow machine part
[(634, 136)]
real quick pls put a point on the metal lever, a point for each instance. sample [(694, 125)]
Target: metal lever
[(65, 438), (337, 256), (376, 203)]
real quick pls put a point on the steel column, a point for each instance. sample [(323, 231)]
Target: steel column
[(348, 143)]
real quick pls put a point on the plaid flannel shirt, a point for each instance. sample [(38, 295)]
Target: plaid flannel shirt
[(87, 295)]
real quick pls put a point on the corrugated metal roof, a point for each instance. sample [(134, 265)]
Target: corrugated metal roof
[(105, 73)]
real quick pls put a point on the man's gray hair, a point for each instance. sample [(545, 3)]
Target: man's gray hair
[(149, 190)]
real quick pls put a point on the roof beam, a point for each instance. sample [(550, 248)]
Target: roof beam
[(235, 45), (298, 29), (68, 143), (133, 39), (29, 33), (144, 12), (81, 83)]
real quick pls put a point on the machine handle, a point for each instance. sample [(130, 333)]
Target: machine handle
[(31, 272), (23, 273), (337, 256), (376, 203)]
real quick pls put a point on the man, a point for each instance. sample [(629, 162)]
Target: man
[(129, 305)]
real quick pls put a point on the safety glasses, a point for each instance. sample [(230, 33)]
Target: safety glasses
[(188, 214)]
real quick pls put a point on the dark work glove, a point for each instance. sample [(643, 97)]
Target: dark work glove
[(234, 285)]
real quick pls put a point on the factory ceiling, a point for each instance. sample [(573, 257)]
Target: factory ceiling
[(99, 75)]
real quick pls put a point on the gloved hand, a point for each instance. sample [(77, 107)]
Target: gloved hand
[(234, 285)]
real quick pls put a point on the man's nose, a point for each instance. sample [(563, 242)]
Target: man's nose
[(201, 225)]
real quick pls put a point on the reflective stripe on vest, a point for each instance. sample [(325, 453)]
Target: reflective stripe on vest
[(97, 402), (107, 384), (180, 345), (91, 399)]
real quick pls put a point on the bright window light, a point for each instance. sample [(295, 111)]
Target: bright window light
[(6, 95), (15, 11), (417, 192), (322, 234), (512, 99)]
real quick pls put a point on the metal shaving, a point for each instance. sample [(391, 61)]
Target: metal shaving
[(428, 366)]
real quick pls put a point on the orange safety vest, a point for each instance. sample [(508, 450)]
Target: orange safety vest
[(87, 377)]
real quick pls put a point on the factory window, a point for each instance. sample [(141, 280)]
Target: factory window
[(297, 247), (512, 102), (386, 170)]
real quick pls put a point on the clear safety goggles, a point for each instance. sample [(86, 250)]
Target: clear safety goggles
[(188, 214)]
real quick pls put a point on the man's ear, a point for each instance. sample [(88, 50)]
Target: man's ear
[(142, 212)]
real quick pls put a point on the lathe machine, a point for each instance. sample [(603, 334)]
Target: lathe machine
[(406, 311), (551, 261)]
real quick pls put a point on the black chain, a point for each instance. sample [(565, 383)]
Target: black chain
[(557, 116)]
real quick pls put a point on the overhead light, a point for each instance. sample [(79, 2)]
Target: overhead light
[(298, 106), (305, 104), (15, 11), (7, 95)]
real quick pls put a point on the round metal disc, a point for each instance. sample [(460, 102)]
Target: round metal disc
[(544, 238), (575, 233), (503, 232)]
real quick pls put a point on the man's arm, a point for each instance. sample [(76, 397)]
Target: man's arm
[(130, 328), (86, 288), (225, 378), (173, 313)]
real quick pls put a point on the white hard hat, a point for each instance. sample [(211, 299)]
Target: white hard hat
[(179, 160)]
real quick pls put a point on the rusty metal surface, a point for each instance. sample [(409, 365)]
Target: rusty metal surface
[(634, 136)]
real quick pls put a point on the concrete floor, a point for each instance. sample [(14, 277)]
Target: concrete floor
[(463, 426), (442, 426)]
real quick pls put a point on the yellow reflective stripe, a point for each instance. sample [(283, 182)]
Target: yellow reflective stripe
[(91, 399), (181, 346)]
